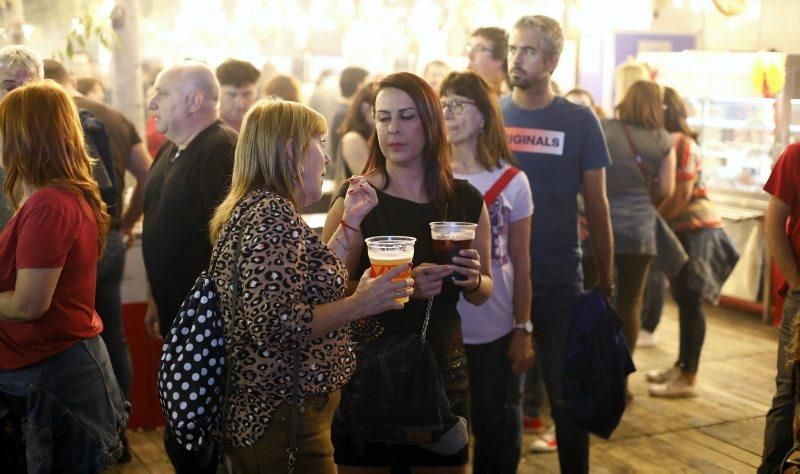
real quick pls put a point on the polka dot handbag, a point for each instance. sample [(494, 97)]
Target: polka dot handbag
[(192, 376), (191, 373)]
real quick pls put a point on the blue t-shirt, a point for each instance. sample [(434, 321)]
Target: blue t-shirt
[(554, 146)]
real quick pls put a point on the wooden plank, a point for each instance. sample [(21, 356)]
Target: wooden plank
[(727, 449), (747, 435)]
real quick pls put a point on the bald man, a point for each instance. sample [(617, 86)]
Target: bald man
[(189, 178)]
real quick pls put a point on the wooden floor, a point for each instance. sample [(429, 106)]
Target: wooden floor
[(718, 431)]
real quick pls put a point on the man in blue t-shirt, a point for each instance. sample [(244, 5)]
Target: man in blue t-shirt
[(561, 148)]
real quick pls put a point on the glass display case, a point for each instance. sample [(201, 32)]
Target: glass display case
[(746, 109), (736, 136)]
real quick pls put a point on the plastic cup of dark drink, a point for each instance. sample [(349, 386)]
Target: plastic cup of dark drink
[(449, 238)]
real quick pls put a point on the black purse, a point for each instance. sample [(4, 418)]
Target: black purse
[(397, 396)]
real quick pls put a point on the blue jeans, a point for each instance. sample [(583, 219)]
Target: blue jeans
[(778, 430), (552, 321), (653, 303), (495, 407), (108, 304), (73, 409), (692, 321)]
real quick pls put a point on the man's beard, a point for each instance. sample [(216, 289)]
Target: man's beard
[(523, 83)]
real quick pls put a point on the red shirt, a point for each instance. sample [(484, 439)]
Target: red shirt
[(54, 228), (784, 184)]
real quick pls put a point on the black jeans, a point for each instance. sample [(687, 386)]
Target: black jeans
[(495, 407), (778, 430), (552, 319), (108, 304), (692, 322), (653, 303)]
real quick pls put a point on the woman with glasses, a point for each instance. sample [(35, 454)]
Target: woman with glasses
[(643, 170), (409, 167), (497, 335)]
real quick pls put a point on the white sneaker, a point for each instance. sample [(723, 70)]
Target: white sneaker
[(646, 339), (663, 375), (675, 388), (546, 443)]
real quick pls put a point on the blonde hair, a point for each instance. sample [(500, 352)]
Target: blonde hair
[(261, 159), (627, 74)]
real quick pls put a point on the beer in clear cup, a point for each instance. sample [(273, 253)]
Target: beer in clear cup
[(388, 251), (449, 238)]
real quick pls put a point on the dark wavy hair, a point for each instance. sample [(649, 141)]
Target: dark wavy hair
[(354, 119), (435, 154), (675, 114), (492, 142)]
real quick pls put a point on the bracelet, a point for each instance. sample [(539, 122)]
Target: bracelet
[(344, 224), (477, 287)]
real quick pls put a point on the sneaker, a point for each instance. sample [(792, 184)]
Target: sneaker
[(663, 375), (546, 443), (533, 424), (646, 339), (675, 388)]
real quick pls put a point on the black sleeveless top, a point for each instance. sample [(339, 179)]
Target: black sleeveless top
[(397, 216)]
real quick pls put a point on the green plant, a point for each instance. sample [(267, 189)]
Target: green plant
[(84, 29)]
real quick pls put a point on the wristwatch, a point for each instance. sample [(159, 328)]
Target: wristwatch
[(527, 326)]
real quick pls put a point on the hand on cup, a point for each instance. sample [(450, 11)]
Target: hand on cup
[(381, 293), (468, 265), (428, 278)]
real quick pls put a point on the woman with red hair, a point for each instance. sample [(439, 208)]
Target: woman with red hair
[(54, 368)]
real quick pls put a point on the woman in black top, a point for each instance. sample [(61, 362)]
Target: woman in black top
[(409, 167)]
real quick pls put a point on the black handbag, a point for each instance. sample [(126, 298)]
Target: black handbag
[(397, 396)]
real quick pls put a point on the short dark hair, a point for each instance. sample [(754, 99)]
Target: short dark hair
[(237, 73), (56, 71), (282, 86), (86, 84), (499, 39), (350, 79)]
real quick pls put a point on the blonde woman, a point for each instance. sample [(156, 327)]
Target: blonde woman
[(292, 291)]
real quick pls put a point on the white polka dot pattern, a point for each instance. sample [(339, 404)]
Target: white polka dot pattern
[(191, 373)]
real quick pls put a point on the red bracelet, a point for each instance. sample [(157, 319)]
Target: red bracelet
[(344, 224)]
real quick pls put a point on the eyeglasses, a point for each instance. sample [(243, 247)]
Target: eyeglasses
[(478, 48), (456, 106)]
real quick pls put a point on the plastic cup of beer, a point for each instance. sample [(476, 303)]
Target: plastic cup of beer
[(448, 239), (388, 251)]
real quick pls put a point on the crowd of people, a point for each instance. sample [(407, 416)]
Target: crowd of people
[(331, 366)]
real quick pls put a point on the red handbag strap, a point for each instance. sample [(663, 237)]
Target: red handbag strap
[(500, 184)]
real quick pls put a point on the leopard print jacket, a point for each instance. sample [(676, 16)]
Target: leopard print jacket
[(285, 271)]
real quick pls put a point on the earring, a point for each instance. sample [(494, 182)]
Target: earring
[(302, 170)]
